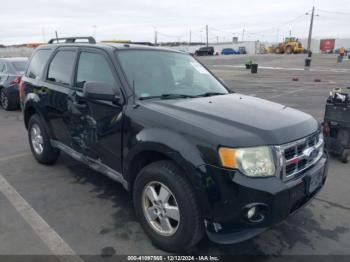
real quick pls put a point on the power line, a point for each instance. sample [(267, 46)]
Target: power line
[(171, 36), (333, 12), (278, 26), (222, 31)]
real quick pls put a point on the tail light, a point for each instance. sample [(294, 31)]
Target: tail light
[(16, 81), (20, 88)]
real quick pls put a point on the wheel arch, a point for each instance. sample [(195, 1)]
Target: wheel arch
[(30, 108), (149, 154), (28, 112)]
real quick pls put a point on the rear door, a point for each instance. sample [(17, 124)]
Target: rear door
[(57, 89), (97, 125)]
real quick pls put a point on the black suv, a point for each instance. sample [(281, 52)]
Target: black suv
[(205, 51), (198, 158)]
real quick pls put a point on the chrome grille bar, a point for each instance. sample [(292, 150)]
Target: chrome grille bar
[(295, 157)]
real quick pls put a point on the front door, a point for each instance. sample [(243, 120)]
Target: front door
[(96, 126)]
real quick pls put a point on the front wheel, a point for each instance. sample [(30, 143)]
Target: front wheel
[(167, 208)]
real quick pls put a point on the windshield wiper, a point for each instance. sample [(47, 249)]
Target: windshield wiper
[(211, 94), (167, 96)]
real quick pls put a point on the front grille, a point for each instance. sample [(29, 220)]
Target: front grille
[(289, 153), (290, 169), (297, 156), (301, 148)]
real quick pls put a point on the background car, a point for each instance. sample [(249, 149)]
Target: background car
[(204, 51), (11, 71), (229, 51), (242, 50)]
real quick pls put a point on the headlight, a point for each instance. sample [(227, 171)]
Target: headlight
[(252, 161)]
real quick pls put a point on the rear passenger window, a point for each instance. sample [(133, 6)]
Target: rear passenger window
[(38, 63), (93, 67), (61, 67)]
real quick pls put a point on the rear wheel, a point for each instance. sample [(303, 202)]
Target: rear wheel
[(167, 208), (5, 101), (39, 141)]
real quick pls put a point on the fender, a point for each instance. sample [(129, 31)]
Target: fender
[(175, 147), (166, 142), (30, 104)]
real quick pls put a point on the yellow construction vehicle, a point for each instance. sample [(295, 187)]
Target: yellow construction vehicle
[(291, 45)]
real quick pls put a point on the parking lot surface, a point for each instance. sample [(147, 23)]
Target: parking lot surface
[(69, 208)]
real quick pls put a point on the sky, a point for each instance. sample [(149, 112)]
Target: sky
[(24, 21)]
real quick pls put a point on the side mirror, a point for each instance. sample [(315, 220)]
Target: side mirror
[(100, 91)]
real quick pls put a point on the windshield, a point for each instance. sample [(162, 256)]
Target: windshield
[(19, 66), (166, 74)]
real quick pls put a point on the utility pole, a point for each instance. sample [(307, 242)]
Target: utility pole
[(310, 29), (206, 29), (155, 37), (56, 36), (243, 34), (190, 37)]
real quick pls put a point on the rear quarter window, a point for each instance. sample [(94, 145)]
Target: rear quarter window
[(37, 63)]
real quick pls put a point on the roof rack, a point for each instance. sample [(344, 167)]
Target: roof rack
[(73, 40)]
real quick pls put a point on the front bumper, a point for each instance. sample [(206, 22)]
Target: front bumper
[(232, 192)]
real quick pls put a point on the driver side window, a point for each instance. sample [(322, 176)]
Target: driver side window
[(93, 67)]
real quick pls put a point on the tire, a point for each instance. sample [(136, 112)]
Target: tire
[(5, 102), (277, 50), (289, 50), (47, 155), (189, 228), (345, 157)]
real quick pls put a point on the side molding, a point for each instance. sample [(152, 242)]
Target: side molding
[(93, 164)]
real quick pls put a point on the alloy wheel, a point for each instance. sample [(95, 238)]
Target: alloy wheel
[(4, 100), (160, 208), (37, 139)]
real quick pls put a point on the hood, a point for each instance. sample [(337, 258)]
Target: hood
[(237, 120)]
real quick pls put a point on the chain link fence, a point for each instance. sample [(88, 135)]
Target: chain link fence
[(16, 52)]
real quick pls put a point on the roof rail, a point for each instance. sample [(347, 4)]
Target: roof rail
[(73, 40)]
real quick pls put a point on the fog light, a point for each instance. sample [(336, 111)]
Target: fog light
[(255, 212), (251, 212)]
